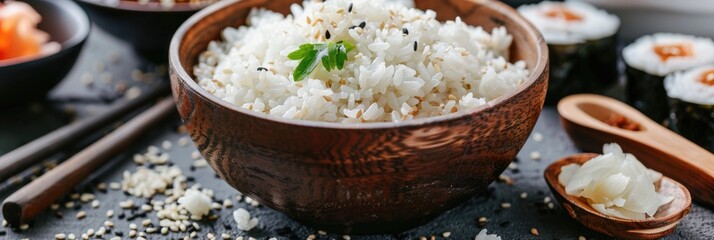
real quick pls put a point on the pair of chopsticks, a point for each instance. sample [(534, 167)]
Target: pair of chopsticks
[(29, 201)]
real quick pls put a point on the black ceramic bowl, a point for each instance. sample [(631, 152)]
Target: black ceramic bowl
[(147, 27), (32, 78)]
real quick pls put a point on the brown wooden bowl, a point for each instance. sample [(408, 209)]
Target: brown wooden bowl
[(359, 178)]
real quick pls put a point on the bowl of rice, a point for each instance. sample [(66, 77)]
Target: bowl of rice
[(359, 116)]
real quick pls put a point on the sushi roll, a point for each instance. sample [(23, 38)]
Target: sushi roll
[(691, 99), (582, 41), (650, 58)]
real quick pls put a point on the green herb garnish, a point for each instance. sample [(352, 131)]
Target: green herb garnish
[(332, 55)]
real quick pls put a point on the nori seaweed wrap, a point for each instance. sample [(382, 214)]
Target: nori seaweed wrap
[(582, 41), (650, 58), (691, 99), (588, 67)]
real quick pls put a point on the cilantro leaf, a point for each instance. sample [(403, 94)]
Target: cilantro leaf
[(332, 55)]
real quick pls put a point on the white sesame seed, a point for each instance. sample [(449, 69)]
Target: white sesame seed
[(166, 144), (132, 92), (346, 237), (54, 206), (24, 226), (183, 141), (132, 233), (133, 226), (546, 200), (115, 238), (323, 233), (115, 185), (90, 232), (146, 222), (164, 230), (524, 195), (195, 155), (150, 230), (69, 204), (71, 236), (582, 238), (95, 203), (140, 238), (100, 232), (60, 236), (225, 236), (505, 205), (110, 213), (535, 155), (210, 236), (85, 236), (227, 203), (446, 234), (4, 223), (551, 205), (239, 238), (81, 214), (109, 224), (537, 137), (200, 163)]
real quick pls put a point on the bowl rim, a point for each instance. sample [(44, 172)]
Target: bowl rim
[(151, 7), (84, 26), (534, 74)]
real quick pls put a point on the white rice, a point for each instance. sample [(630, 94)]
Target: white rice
[(641, 55), (456, 67), (687, 86), (594, 23)]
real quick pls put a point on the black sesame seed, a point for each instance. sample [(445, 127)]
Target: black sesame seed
[(121, 216), (363, 24), (262, 69), (405, 31), (119, 233), (349, 9), (353, 27), (327, 34), (3, 233), (415, 46)]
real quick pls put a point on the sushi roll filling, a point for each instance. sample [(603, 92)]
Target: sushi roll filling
[(674, 50), (564, 13), (707, 78)]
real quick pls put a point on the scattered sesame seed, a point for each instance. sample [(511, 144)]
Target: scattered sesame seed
[(321, 232), (534, 231), (95, 203), (166, 144), (538, 137), (524, 195), (349, 9), (195, 155), (225, 236), (262, 69), (446, 234), (505, 205), (164, 230), (132, 233), (327, 34), (582, 238), (405, 31), (114, 186), (71, 236), (132, 92), (132, 226), (115, 238), (346, 237), (415, 46), (363, 25), (535, 155), (81, 214), (546, 200), (4, 223), (60, 236), (69, 204), (183, 141), (146, 222)]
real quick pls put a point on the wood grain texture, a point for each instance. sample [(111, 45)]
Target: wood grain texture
[(379, 177), (662, 224), (658, 148)]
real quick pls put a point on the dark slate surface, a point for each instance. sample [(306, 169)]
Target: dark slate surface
[(74, 100)]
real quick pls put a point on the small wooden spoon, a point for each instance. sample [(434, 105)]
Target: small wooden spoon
[(585, 117), (661, 224)]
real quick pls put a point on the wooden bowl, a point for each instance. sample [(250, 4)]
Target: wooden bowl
[(31, 78), (147, 27), (359, 178)]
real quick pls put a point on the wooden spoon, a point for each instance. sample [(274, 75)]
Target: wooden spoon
[(585, 117), (661, 224)]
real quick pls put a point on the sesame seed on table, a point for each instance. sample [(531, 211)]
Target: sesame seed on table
[(517, 206)]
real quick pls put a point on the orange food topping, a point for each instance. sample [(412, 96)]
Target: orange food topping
[(667, 51), (563, 13), (19, 36), (707, 77), (620, 121)]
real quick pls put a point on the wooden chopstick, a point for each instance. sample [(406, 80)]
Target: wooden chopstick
[(41, 148), (29, 201)]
